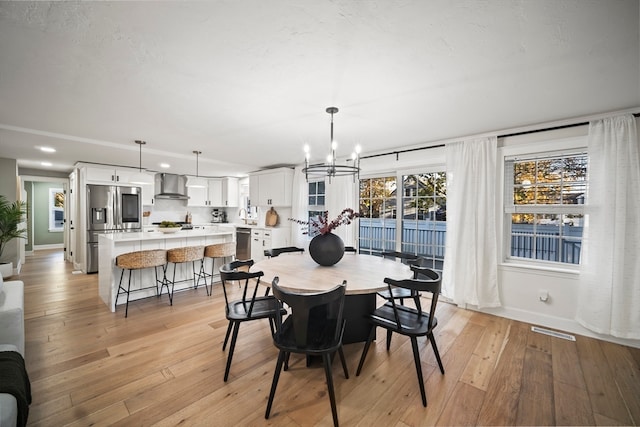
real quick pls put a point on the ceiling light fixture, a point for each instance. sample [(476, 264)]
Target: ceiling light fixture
[(331, 168), (47, 164), (165, 165), (139, 177), (48, 149), (196, 182)]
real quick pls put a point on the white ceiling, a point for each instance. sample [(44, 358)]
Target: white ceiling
[(247, 82)]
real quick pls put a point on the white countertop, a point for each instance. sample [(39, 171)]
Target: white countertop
[(158, 235)]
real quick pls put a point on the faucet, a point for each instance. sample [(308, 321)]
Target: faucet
[(244, 218)]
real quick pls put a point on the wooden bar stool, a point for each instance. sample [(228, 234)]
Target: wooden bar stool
[(136, 261), (218, 250), (178, 256)]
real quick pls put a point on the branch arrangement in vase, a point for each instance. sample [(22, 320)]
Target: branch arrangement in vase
[(323, 226)]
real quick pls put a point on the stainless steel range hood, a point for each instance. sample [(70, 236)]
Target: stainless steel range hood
[(170, 186)]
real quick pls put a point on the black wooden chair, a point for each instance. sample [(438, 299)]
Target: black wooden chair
[(401, 294), (277, 251), (314, 328), (250, 307), (409, 321)]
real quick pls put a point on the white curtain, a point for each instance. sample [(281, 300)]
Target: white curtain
[(299, 203), (342, 193), (609, 296), (471, 261)]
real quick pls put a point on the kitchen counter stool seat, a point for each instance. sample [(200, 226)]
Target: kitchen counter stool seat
[(136, 261), (181, 255), (218, 250)]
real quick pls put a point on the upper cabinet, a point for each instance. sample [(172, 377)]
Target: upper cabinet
[(215, 192), (271, 187), (109, 175), (220, 192), (198, 196), (230, 192)]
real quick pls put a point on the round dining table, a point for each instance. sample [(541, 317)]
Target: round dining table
[(298, 272)]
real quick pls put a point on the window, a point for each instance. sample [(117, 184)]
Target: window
[(56, 210), (544, 200), (378, 215), (316, 193), (316, 204), (424, 215)]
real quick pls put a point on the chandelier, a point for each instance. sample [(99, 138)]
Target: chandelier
[(331, 168)]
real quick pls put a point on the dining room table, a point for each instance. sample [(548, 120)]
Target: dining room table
[(298, 272)]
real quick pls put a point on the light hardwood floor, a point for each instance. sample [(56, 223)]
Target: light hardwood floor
[(164, 366)]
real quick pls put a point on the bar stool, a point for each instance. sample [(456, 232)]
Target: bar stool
[(218, 250), (136, 261), (181, 255)]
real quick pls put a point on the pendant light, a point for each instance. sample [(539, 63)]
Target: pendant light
[(331, 168), (141, 178), (197, 182)]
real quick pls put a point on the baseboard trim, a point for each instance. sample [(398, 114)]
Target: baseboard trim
[(52, 246), (557, 323)]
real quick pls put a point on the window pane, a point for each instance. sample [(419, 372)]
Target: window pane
[(549, 187), (321, 187), (424, 216)]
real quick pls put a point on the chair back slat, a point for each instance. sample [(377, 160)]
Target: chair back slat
[(232, 271), (429, 281)]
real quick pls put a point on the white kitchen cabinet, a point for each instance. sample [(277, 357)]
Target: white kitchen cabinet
[(230, 192), (215, 192), (109, 175), (271, 188), (211, 195), (198, 196), (148, 198), (268, 238), (260, 241)]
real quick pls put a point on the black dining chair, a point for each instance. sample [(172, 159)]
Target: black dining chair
[(408, 321), (250, 307), (401, 294), (314, 328), (274, 252)]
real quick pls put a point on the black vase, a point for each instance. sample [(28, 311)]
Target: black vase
[(326, 249)]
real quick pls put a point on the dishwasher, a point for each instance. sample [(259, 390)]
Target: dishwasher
[(243, 243)]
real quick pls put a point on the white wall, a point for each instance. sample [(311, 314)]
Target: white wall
[(519, 284)]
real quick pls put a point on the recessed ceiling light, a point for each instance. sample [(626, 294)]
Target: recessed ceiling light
[(48, 149), (165, 165), (46, 163)]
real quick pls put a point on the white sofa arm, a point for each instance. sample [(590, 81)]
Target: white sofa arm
[(12, 314)]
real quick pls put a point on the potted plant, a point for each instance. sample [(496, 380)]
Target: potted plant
[(327, 248), (11, 215)]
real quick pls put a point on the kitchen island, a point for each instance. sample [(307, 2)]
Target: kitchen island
[(112, 245)]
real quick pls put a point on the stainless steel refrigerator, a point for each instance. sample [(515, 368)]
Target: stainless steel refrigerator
[(110, 209)]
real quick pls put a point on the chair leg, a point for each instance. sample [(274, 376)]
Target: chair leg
[(344, 363), (416, 358), (126, 309), (274, 383), (119, 287), (332, 396), (286, 361), (435, 351), (372, 335), (226, 337), (389, 333), (232, 346)]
